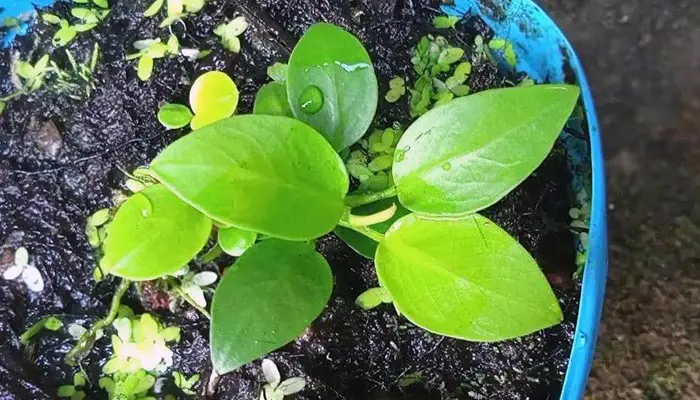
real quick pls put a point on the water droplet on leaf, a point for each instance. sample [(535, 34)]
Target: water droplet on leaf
[(311, 100), (446, 166)]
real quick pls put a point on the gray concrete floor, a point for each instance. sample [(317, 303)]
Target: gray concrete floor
[(643, 61)]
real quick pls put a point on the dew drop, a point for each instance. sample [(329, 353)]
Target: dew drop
[(311, 100), (446, 166)]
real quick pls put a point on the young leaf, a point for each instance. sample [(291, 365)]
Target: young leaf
[(213, 96), (466, 279), (331, 84), (235, 241), (373, 297), (101, 3), (271, 373), (25, 70), (363, 245), (292, 385), (153, 234), (153, 8), (277, 72), (445, 21), (272, 175), (469, 153), (145, 68), (174, 116), (270, 295), (272, 100), (50, 18)]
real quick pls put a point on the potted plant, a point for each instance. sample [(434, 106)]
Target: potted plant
[(440, 171)]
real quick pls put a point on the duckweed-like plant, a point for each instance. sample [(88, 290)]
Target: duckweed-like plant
[(272, 184)]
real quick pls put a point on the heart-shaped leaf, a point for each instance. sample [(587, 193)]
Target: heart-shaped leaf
[(466, 155), (153, 234), (267, 174), (265, 300), (272, 100), (467, 279), (331, 84)]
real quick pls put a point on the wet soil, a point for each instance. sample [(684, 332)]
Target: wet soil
[(48, 189)]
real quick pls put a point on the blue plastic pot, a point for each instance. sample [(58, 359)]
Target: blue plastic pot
[(544, 53)]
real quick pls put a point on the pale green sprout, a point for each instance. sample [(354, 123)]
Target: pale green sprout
[(96, 227), (151, 49), (445, 21), (506, 46), (277, 72), (89, 18), (230, 32), (397, 88), (372, 298), (74, 391), (176, 9), (185, 384), (276, 388), (194, 284), (32, 75)]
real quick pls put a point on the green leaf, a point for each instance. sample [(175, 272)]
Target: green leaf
[(277, 72), (272, 100), (153, 234), (214, 96), (450, 55), (101, 3), (79, 379), (145, 68), (373, 297), (84, 27), (50, 18), (363, 245), (66, 391), (334, 63), (272, 175), (99, 217), (469, 153), (466, 279), (2, 106), (445, 21), (153, 8), (174, 116), (25, 70), (267, 299), (235, 241), (85, 14)]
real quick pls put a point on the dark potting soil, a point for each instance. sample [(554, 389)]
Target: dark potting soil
[(51, 179)]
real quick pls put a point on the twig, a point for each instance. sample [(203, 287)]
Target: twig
[(180, 292), (87, 340)]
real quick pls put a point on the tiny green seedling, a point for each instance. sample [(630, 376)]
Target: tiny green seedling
[(176, 9), (150, 50), (276, 388), (445, 21), (372, 298), (213, 97), (397, 88), (88, 19), (507, 49), (74, 391), (230, 32), (185, 384)]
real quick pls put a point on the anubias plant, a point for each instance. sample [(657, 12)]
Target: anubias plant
[(272, 184)]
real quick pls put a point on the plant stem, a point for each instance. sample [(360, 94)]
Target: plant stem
[(12, 96), (191, 302), (366, 220), (86, 341), (180, 292), (33, 330), (356, 200), (369, 232)]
